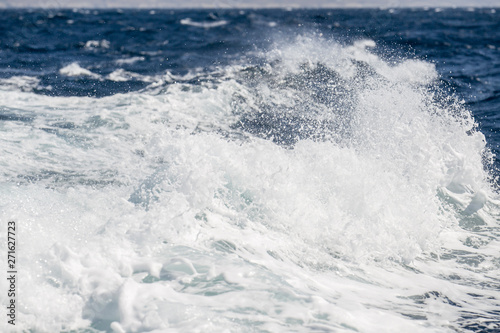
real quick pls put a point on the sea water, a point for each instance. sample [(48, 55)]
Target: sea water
[(251, 170)]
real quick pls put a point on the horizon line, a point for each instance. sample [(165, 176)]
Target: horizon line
[(287, 7)]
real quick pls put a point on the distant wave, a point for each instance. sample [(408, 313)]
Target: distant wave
[(129, 61), (204, 24), (121, 75), (93, 44)]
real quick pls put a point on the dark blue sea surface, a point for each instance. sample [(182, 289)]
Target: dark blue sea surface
[(329, 170)]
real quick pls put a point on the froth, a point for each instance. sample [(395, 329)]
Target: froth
[(274, 196), (74, 69)]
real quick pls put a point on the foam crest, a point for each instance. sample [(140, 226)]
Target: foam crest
[(93, 44), (310, 191), (204, 24), (121, 75), (74, 69), (23, 83)]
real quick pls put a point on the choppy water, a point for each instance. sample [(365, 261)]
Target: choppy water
[(252, 171)]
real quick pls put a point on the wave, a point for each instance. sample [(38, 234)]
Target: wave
[(322, 188), (118, 75), (204, 24), (121, 75), (74, 69), (22, 83), (129, 61), (95, 44)]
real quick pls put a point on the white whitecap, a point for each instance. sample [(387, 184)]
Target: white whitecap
[(93, 44), (121, 75), (204, 24), (22, 83), (188, 226), (129, 61), (74, 69)]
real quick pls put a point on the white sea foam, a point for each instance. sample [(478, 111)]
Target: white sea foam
[(153, 211), (23, 83), (121, 75), (204, 24), (74, 69), (93, 44), (129, 61)]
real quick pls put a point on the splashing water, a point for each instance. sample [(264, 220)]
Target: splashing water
[(322, 189)]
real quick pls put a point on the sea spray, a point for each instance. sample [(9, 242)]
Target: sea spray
[(320, 187)]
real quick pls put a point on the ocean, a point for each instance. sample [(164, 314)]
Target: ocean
[(230, 170)]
